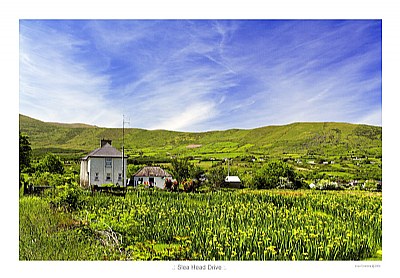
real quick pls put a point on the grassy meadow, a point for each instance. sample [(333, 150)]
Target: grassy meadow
[(312, 140), (225, 225), (69, 223)]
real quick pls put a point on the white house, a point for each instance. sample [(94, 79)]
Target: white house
[(151, 176), (103, 166)]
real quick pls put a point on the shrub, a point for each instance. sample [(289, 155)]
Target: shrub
[(170, 185), (51, 163), (25, 153), (216, 176), (68, 197), (247, 180), (191, 185), (272, 174)]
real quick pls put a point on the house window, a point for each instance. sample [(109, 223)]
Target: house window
[(108, 162), (108, 177), (96, 176), (119, 176)]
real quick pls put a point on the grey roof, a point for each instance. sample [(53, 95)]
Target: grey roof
[(152, 171), (106, 151)]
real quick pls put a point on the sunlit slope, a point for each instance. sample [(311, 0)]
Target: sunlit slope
[(298, 138)]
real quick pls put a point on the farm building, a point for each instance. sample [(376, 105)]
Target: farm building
[(103, 166), (151, 176), (233, 182)]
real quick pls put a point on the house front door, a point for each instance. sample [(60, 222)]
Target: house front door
[(151, 182)]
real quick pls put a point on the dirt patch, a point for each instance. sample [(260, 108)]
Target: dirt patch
[(192, 146)]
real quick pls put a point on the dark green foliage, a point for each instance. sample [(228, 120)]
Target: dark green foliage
[(133, 169), (51, 163), (273, 174), (370, 132), (68, 195), (25, 152), (68, 198), (196, 172), (216, 176), (181, 168)]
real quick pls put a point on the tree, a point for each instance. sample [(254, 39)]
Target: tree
[(51, 163), (25, 152), (196, 173), (273, 173), (216, 176), (180, 169)]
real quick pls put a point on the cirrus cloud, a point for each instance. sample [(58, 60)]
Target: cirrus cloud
[(197, 75)]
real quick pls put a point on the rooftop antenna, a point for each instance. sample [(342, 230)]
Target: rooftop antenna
[(123, 150)]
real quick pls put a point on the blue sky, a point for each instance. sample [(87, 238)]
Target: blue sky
[(199, 75)]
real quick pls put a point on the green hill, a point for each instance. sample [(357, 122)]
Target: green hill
[(327, 139)]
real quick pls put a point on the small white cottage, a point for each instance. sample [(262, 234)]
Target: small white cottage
[(103, 166), (151, 176)]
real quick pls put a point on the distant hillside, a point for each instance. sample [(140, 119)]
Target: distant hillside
[(73, 125), (328, 139)]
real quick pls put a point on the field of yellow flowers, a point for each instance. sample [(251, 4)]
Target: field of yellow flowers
[(239, 225)]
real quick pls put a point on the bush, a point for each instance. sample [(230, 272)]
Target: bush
[(25, 153), (69, 197), (216, 176), (274, 174), (54, 180), (51, 163), (171, 185), (191, 185), (247, 180)]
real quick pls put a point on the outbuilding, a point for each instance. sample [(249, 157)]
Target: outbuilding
[(151, 176), (233, 182)]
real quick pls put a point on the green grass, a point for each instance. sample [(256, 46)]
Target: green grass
[(305, 141), (232, 225), (329, 139), (45, 234), (376, 257)]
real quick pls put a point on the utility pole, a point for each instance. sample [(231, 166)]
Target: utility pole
[(123, 150)]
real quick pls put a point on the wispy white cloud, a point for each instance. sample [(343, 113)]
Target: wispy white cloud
[(371, 117), (53, 86), (308, 85), (188, 117), (201, 75)]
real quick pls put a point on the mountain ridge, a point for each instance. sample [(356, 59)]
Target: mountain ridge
[(302, 138)]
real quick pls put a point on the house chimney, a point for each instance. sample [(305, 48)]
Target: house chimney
[(103, 142)]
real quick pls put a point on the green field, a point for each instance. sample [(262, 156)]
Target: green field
[(224, 225), (330, 140), (69, 223), (354, 150)]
